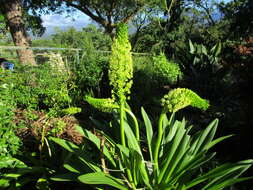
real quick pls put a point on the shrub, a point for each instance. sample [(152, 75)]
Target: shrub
[(166, 72), (41, 87), (9, 142)]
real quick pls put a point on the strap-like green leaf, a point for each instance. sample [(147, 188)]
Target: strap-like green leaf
[(219, 172), (65, 177), (133, 144), (216, 50), (124, 150), (235, 170), (81, 155), (204, 50), (71, 168), (189, 163), (228, 183), (96, 141), (192, 48), (173, 148), (69, 146), (205, 137), (216, 141), (102, 178), (149, 132), (177, 158)]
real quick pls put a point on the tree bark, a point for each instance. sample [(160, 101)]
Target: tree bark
[(12, 11)]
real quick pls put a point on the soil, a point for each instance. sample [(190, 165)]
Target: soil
[(31, 125)]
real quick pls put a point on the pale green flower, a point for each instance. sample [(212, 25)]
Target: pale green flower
[(71, 110), (180, 98), (102, 104), (121, 65)]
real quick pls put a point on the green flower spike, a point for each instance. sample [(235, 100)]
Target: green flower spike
[(121, 65), (102, 104), (71, 110), (173, 101), (180, 98)]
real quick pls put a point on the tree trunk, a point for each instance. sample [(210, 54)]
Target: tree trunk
[(12, 11)]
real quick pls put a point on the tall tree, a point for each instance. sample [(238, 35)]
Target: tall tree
[(240, 15), (110, 12), (105, 13), (13, 15)]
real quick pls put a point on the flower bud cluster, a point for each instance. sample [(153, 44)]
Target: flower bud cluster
[(180, 98), (102, 104), (121, 65)]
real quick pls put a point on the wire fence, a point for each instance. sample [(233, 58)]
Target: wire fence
[(9, 52), (75, 59)]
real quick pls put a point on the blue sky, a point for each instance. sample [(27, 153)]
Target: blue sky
[(77, 20)]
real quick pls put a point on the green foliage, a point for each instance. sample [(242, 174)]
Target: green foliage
[(179, 98), (167, 71), (239, 15), (73, 38), (121, 65), (204, 71), (203, 55), (58, 128), (22, 175), (44, 87), (9, 142), (2, 27), (176, 156), (181, 157), (88, 71)]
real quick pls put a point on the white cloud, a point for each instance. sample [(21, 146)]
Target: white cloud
[(77, 20)]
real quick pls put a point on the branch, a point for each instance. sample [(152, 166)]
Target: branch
[(109, 15), (207, 12), (132, 14), (98, 18)]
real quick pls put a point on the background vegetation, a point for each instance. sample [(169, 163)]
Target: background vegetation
[(205, 46)]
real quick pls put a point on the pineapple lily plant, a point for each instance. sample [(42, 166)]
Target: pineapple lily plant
[(175, 156)]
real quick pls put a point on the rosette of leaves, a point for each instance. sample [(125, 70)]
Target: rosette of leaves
[(166, 71), (180, 98), (121, 65), (102, 104)]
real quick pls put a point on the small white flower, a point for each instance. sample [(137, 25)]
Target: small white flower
[(4, 85)]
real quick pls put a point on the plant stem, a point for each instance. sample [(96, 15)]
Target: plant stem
[(122, 130), (130, 178), (123, 141), (43, 134), (137, 131), (158, 141)]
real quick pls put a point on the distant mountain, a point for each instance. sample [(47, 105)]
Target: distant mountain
[(63, 22)]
